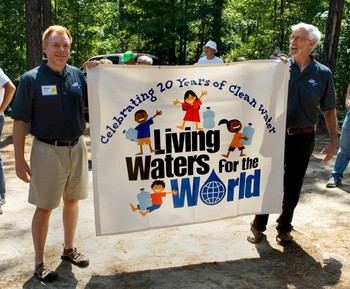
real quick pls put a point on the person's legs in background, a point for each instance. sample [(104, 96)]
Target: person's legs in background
[(343, 156), (2, 177)]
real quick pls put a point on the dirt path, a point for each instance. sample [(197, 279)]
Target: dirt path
[(212, 255)]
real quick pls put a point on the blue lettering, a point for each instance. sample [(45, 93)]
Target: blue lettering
[(185, 191)]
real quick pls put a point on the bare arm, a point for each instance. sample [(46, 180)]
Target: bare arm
[(330, 117), (204, 92), (20, 130), (347, 98), (158, 112), (10, 89)]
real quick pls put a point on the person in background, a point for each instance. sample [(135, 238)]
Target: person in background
[(276, 54), (316, 56), (129, 58), (210, 58), (105, 61), (50, 103), (7, 90), (241, 59), (343, 155), (310, 88), (144, 60)]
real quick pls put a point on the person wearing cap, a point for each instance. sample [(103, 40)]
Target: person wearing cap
[(129, 58), (210, 58)]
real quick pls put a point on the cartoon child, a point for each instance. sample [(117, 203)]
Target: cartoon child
[(235, 126), (143, 129), (191, 105), (157, 196)]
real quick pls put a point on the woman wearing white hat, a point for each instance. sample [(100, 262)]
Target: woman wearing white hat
[(210, 58)]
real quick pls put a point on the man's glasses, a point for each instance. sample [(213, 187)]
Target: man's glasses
[(297, 38)]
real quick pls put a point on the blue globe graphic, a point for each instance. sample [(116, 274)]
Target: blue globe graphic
[(212, 192)]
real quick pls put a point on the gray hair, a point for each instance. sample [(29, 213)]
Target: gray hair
[(144, 59), (313, 31)]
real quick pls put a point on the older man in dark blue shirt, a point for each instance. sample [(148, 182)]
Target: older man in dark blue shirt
[(310, 88)]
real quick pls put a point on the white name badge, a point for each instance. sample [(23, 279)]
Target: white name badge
[(49, 90)]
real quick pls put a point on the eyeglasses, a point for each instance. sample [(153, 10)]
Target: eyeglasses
[(297, 38)]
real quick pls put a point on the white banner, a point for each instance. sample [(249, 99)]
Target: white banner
[(177, 145)]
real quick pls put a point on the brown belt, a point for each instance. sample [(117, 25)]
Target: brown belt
[(305, 130)]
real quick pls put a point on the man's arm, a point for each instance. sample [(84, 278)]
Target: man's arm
[(20, 130), (330, 117), (10, 89)]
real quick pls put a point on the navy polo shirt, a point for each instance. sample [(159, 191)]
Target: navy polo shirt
[(51, 103), (309, 91)]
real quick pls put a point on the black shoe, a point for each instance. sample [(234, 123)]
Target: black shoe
[(284, 238), (75, 257), (44, 273)]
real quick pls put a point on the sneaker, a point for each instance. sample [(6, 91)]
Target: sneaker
[(284, 238), (75, 257), (255, 236), (333, 183), (43, 273)]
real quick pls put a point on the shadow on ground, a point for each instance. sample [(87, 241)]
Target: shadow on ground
[(290, 268)]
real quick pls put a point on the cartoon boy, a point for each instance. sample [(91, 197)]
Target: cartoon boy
[(143, 129), (157, 196), (235, 126), (191, 105)]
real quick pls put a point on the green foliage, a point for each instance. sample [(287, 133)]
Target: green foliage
[(12, 35), (90, 23), (342, 73)]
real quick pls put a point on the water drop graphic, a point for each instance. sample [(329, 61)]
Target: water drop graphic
[(213, 190)]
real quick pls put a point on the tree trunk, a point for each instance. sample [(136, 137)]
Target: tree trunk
[(282, 28), (33, 33), (47, 13), (172, 40), (335, 13), (217, 22)]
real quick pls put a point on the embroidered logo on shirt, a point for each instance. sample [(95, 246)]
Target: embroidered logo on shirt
[(313, 82), (49, 90), (76, 84)]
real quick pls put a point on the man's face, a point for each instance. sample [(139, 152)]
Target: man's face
[(131, 62), (300, 44), (209, 52), (57, 50)]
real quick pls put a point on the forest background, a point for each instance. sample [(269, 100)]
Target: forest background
[(175, 30)]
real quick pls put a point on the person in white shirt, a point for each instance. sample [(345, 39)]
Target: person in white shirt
[(210, 49), (7, 90)]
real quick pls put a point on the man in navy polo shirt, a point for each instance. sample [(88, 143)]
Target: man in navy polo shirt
[(310, 87), (50, 103)]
